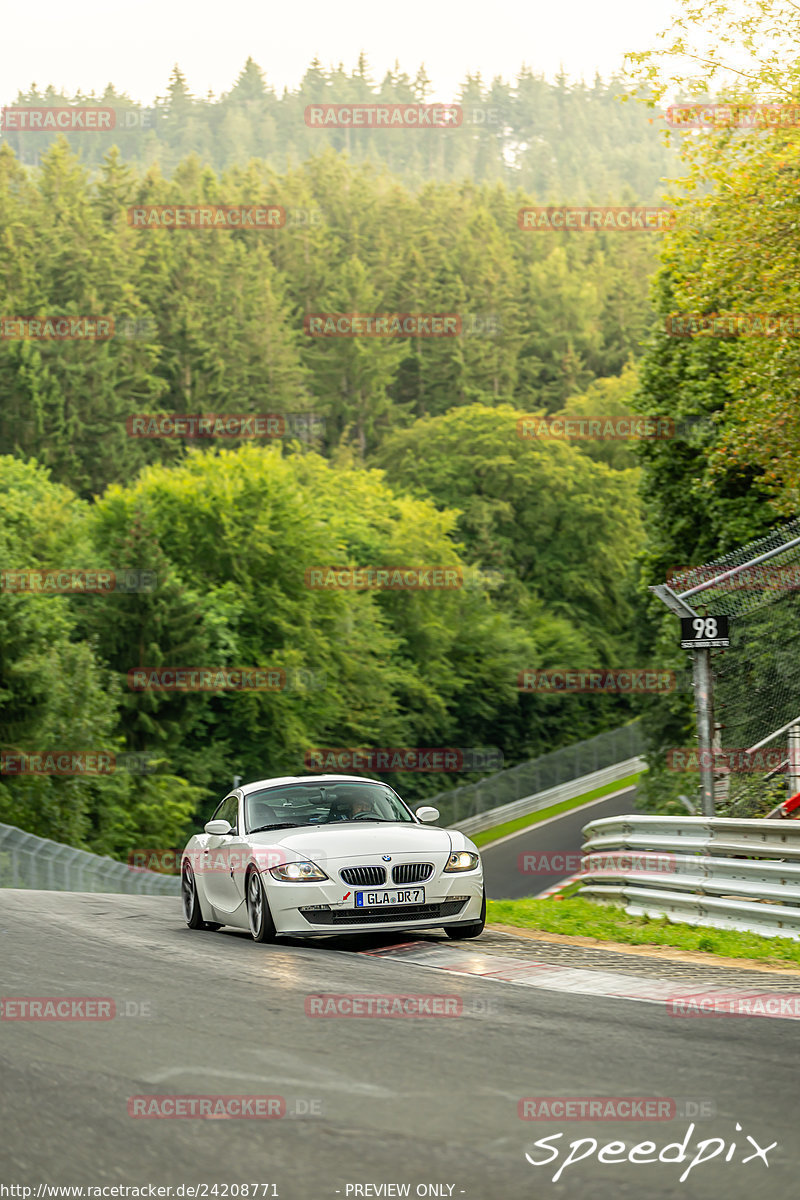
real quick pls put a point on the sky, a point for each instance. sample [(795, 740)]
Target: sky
[(87, 43)]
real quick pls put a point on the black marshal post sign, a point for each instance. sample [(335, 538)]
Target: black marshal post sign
[(704, 633)]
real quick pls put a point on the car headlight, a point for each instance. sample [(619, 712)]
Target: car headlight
[(298, 872), (462, 860)]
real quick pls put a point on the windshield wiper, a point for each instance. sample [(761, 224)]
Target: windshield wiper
[(279, 825)]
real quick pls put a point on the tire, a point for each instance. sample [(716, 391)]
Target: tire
[(190, 902), (262, 927), (458, 932)]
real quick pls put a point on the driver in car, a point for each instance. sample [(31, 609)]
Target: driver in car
[(350, 802)]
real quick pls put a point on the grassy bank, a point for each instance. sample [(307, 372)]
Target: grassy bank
[(498, 831), (587, 919)]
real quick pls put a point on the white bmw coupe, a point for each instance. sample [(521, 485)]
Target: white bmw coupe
[(326, 854)]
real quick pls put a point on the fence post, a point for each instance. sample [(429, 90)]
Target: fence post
[(793, 769), (704, 700)]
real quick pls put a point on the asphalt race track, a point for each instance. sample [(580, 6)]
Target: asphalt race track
[(558, 837), (417, 1101)]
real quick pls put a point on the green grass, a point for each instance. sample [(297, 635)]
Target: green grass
[(611, 924), (490, 835)]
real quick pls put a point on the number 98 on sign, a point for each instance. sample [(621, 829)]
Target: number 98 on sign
[(704, 633)]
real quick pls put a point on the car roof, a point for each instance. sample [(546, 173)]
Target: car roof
[(283, 779)]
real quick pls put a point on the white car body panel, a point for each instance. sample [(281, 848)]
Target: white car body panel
[(221, 865)]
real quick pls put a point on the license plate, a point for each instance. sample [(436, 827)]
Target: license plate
[(386, 898)]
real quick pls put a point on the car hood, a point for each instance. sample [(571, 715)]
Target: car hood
[(357, 839)]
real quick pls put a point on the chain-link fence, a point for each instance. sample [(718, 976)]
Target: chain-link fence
[(547, 771), (27, 861), (755, 683)]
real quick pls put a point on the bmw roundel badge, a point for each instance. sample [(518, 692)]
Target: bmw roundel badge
[(387, 858)]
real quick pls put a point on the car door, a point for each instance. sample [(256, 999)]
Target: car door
[(223, 858)]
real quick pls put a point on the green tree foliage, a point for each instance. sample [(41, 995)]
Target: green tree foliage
[(560, 528), (213, 321), (240, 531), (556, 140), (56, 694), (419, 463), (732, 470)]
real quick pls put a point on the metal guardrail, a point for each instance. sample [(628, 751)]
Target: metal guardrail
[(722, 872), (555, 795), (28, 861), (538, 774)]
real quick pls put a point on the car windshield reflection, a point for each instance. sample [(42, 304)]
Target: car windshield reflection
[(313, 804)]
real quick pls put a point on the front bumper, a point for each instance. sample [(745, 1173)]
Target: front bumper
[(449, 900)]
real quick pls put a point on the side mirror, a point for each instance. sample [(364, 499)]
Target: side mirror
[(217, 827), (427, 814)]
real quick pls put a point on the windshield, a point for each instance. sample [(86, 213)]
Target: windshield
[(323, 804)]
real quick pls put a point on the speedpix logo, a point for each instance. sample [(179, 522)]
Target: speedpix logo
[(647, 1152)]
